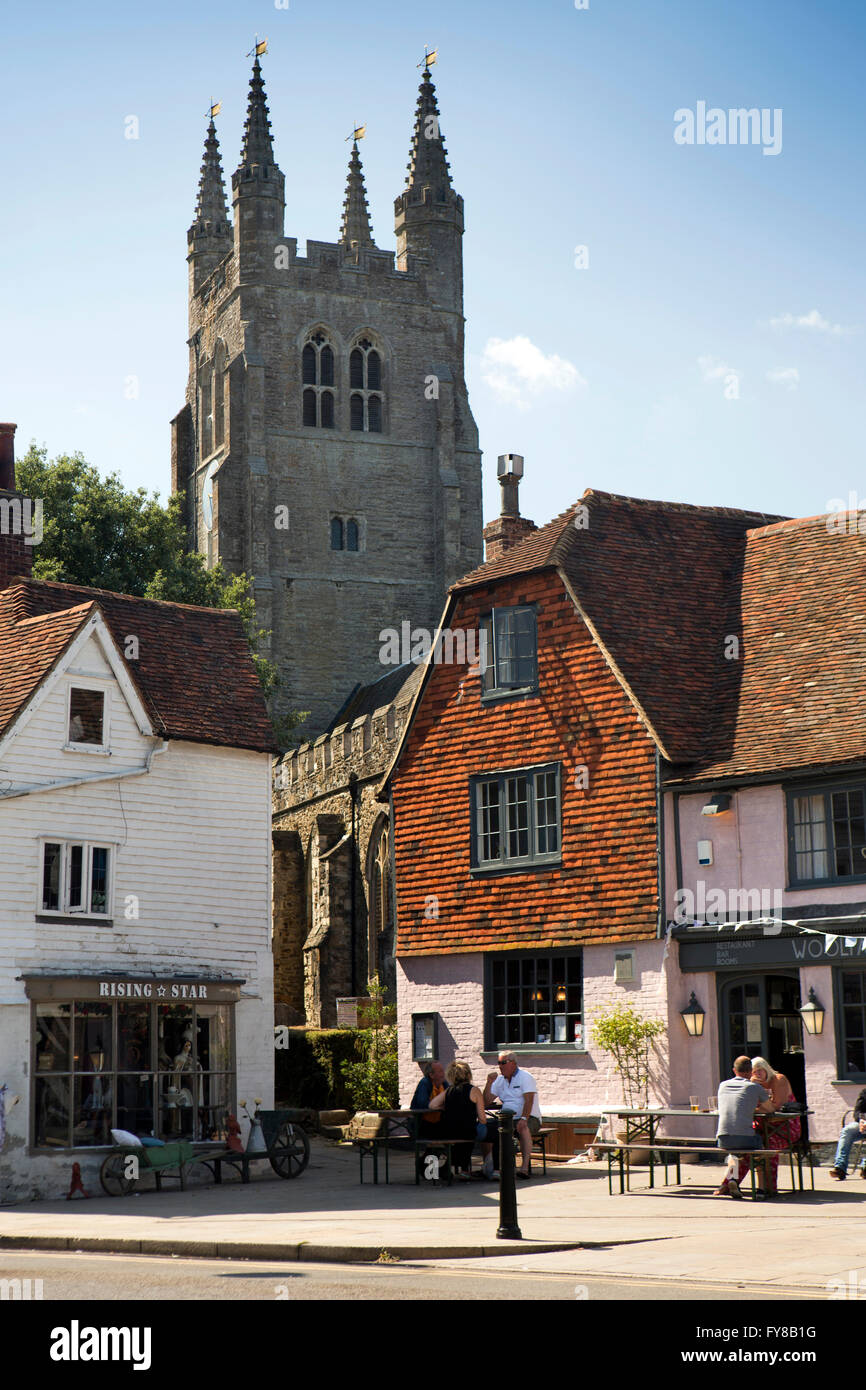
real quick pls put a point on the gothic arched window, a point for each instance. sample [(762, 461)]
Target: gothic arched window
[(317, 378), (219, 408), (351, 534), (365, 378), (336, 533)]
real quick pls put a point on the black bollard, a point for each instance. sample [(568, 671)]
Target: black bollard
[(508, 1227)]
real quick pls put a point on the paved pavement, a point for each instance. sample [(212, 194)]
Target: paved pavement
[(569, 1224)]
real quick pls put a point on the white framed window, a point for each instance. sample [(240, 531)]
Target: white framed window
[(75, 877), (87, 719)]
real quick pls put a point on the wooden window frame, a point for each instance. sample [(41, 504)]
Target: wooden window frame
[(826, 790), (507, 863)]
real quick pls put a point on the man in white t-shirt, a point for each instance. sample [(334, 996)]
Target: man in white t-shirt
[(517, 1092)]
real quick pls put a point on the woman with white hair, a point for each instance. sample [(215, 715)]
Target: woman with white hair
[(781, 1131)]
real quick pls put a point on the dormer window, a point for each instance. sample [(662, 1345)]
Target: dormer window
[(365, 382), (317, 379), (86, 717)]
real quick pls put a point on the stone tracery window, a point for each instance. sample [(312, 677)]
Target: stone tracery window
[(317, 380), (381, 916), (365, 383)]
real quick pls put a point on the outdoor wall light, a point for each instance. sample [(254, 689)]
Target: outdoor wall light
[(717, 804), (693, 1017), (812, 1015)]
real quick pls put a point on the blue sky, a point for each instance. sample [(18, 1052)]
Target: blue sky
[(712, 351)]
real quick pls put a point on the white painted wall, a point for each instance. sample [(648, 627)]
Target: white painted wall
[(192, 845)]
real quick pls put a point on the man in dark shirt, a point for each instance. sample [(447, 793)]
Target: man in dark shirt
[(848, 1138)]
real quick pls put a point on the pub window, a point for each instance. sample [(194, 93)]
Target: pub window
[(534, 1000), (365, 381), (87, 716), (317, 378), (510, 651), (851, 1024), (827, 834), (160, 1069), (516, 818), (75, 878)]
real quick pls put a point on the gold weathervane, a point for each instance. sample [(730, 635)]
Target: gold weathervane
[(258, 48), (358, 133), (430, 55)]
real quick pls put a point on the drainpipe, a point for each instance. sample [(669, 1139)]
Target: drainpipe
[(353, 793), (660, 847), (65, 782)]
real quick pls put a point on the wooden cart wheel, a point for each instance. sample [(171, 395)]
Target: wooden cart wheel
[(290, 1152), (112, 1176)]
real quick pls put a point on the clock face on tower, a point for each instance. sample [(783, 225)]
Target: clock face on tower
[(207, 497)]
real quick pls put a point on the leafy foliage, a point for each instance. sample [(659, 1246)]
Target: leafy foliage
[(628, 1037), (308, 1071), (372, 1079), (98, 534)]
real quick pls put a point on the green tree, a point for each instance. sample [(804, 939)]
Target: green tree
[(98, 534), (372, 1080), (628, 1037)]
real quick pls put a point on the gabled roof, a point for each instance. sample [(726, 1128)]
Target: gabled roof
[(658, 584), (193, 671)]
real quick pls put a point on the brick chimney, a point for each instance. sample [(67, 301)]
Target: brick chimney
[(16, 517), (509, 527), (7, 458)]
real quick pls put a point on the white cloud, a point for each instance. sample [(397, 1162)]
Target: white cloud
[(516, 370), (713, 369), (788, 377), (812, 321)]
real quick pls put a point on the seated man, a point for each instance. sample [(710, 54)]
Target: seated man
[(848, 1138), (517, 1092), (432, 1084), (739, 1098)]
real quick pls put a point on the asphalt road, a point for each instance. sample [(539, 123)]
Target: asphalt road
[(73, 1278)]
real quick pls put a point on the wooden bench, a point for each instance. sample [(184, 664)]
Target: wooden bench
[(426, 1147), (672, 1153), (539, 1145)]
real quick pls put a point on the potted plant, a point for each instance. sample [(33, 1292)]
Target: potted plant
[(629, 1037)]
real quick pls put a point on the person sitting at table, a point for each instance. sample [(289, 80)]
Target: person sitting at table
[(516, 1091), (432, 1084), (739, 1098), (782, 1132), (850, 1135), (463, 1116)]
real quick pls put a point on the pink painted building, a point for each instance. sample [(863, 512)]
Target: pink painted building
[(693, 701)]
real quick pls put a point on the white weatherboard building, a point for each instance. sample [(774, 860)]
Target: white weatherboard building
[(136, 974)]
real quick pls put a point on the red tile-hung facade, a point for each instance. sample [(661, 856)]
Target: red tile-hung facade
[(582, 719)]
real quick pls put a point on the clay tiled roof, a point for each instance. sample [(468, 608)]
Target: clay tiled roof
[(797, 696), (194, 671), (741, 637)]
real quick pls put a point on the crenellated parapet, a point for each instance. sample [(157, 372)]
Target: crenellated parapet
[(363, 747)]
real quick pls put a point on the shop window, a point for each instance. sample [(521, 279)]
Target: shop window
[(510, 649), (75, 878), (516, 818), (172, 1075), (827, 835), (534, 1000)]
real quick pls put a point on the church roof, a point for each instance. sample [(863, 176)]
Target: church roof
[(366, 699)]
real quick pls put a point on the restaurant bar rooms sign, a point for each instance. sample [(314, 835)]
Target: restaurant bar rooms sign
[(154, 988)]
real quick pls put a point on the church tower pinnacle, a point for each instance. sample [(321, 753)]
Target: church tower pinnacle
[(428, 214), (209, 237), (258, 185), (355, 229)]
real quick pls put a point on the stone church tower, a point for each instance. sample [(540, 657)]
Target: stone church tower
[(326, 446)]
